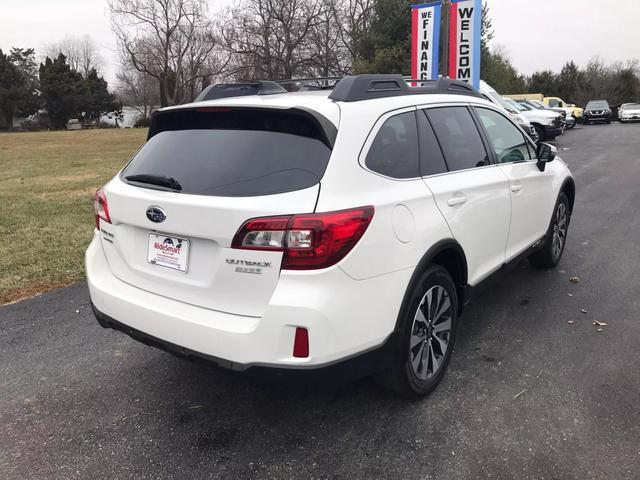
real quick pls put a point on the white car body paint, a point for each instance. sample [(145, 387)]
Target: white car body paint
[(347, 308)]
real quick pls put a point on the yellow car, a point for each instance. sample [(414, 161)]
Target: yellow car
[(557, 102)]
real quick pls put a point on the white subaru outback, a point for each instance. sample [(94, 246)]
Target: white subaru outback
[(322, 232)]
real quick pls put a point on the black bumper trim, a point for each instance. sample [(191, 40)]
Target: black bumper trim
[(344, 370), (552, 131)]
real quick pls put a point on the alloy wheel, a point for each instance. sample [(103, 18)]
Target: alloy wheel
[(431, 333), (559, 230)]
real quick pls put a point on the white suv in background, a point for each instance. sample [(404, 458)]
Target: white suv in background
[(323, 232), (514, 113)]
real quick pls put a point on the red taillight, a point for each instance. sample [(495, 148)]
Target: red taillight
[(309, 241), (101, 208), (301, 343)]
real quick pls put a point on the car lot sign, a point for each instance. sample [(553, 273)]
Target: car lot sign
[(465, 18), (425, 40)]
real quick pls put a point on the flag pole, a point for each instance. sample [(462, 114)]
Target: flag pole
[(445, 36)]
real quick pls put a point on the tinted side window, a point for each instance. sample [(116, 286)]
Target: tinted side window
[(458, 137), (394, 151), (506, 139), (431, 158)]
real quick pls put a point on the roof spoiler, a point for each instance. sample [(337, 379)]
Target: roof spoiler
[(226, 90)]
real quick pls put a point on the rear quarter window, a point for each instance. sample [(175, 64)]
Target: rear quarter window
[(394, 151), (234, 152)]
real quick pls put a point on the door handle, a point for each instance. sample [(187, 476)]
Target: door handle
[(457, 200), (516, 188)]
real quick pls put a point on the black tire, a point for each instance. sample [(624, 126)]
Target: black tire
[(569, 127), (585, 122), (421, 340), (541, 134), (556, 239)]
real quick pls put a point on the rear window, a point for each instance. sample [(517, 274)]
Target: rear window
[(234, 152), (598, 104)]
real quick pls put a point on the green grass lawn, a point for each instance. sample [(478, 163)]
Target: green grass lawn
[(47, 184)]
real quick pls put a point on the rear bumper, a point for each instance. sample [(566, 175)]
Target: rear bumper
[(356, 366), (345, 319)]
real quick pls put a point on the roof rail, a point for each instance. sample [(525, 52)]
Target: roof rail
[(311, 83), (226, 90), (354, 88)]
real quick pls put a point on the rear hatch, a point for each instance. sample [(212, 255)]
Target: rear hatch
[(175, 208)]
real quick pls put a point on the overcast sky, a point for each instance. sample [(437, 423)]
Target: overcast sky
[(536, 34)]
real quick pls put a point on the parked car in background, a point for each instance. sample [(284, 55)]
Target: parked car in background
[(489, 93), (597, 111), (567, 117), (526, 96), (557, 102), (548, 124), (629, 112)]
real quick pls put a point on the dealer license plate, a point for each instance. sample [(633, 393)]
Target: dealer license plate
[(170, 252)]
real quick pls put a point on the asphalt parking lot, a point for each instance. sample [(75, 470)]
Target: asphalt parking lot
[(534, 390)]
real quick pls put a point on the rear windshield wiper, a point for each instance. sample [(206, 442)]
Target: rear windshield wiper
[(159, 180)]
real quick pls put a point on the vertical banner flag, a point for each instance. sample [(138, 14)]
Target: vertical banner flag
[(425, 40), (465, 17)]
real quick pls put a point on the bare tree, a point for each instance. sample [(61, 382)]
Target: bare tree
[(81, 52), (353, 18), (138, 90), (168, 40), (330, 56), (271, 38)]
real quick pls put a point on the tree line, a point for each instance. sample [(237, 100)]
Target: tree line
[(171, 49), (65, 85), (177, 46), (618, 83)]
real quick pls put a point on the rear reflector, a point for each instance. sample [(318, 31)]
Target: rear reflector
[(309, 241), (101, 208), (301, 343)]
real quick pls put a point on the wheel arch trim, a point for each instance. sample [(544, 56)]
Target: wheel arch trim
[(448, 244), (569, 186)]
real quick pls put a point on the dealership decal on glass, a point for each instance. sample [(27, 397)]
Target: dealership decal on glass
[(425, 40), (465, 17)]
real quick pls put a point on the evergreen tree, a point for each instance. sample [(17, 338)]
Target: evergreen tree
[(18, 84), (97, 100), (386, 46), (498, 72), (626, 87), (544, 82), (63, 90), (569, 82)]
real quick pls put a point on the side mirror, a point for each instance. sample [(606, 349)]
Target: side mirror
[(546, 153)]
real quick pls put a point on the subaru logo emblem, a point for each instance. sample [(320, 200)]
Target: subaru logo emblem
[(155, 214)]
